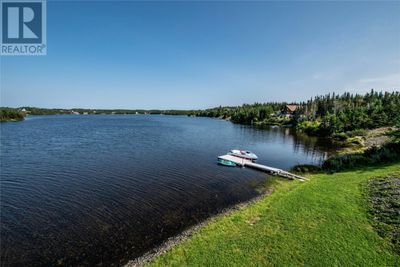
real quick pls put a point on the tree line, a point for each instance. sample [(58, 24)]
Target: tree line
[(322, 115), (245, 114), (9, 114), (332, 113), (58, 111)]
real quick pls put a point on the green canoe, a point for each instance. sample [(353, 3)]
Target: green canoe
[(226, 163)]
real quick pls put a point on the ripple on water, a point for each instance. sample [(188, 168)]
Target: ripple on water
[(84, 190)]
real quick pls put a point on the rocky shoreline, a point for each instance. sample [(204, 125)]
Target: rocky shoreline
[(186, 234)]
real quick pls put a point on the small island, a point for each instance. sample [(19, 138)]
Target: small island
[(11, 114)]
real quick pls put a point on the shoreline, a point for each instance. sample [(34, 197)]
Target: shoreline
[(290, 234), (175, 240), (12, 120)]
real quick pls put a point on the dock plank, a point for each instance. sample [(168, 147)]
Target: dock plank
[(248, 163)]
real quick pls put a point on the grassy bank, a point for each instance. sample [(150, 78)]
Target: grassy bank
[(321, 222)]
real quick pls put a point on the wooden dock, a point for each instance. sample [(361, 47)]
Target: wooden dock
[(274, 171)]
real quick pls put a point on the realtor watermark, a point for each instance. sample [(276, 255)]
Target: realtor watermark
[(23, 27)]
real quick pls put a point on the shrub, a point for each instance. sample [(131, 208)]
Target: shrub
[(10, 114), (305, 168), (309, 127), (340, 136), (358, 132), (355, 140), (386, 153)]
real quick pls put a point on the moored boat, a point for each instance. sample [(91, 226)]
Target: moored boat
[(243, 154), (226, 163)]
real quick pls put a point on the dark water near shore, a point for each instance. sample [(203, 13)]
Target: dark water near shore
[(87, 190)]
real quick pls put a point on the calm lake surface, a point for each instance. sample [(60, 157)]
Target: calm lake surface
[(103, 189)]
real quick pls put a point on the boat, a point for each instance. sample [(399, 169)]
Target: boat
[(226, 163), (243, 154)]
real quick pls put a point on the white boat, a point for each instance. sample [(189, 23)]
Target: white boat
[(243, 154)]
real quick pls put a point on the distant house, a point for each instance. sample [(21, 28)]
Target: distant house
[(288, 110)]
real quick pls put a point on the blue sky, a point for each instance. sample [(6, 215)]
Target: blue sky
[(104, 54)]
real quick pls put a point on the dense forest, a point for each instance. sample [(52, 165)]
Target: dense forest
[(322, 115), (245, 114), (332, 113)]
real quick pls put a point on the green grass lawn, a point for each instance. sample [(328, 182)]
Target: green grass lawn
[(322, 222)]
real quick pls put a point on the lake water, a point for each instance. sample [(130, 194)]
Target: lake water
[(103, 189)]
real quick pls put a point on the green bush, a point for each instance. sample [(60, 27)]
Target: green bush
[(395, 134), (358, 132), (272, 121), (306, 168), (309, 127), (340, 136), (355, 140), (386, 153), (10, 114)]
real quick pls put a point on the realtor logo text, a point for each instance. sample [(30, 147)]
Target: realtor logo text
[(23, 27)]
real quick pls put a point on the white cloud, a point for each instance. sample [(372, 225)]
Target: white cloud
[(386, 82), (325, 76)]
